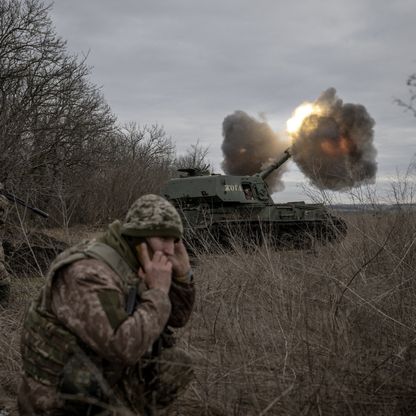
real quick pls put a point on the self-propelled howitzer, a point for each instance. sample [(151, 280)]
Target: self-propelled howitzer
[(222, 208)]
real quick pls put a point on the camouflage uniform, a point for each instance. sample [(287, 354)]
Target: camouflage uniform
[(4, 275), (83, 349)]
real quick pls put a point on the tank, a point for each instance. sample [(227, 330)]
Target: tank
[(220, 209)]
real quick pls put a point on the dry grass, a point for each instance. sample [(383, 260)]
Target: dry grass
[(325, 332), (11, 320), (330, 331)]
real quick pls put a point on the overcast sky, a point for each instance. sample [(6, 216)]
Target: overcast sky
[(186, 64)]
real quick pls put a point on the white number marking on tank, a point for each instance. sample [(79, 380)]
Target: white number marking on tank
[(233, 188)]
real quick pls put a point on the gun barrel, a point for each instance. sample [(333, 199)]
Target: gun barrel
[(15, 199), (276, 165)]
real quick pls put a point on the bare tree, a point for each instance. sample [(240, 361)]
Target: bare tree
[(59, 142), (410, 103), (194, 158), (141, 163), (147, 144), (52, 119)]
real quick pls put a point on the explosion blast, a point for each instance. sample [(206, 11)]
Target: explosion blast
[(249, 146), (333, 143)]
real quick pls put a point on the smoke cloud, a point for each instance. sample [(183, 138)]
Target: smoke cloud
[(334, 146), (249, 146)]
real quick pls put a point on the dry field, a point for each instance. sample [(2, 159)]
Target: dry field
[(328, 331)]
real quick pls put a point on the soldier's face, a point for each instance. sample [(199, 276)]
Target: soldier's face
[(164, 244)]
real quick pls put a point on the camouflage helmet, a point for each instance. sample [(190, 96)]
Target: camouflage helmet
[(152, 216)]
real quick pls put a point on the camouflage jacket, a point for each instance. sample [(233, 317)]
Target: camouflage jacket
[(85, 299), (84, 302)]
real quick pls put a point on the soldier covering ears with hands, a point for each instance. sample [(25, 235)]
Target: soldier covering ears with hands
[(98, 337)]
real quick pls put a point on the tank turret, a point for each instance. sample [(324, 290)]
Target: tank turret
[(219, 206)]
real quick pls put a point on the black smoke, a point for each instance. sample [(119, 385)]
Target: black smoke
[(249, 146), (334, 148)]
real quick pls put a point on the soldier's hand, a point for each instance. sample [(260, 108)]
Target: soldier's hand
[(156, 271), (180, 260)]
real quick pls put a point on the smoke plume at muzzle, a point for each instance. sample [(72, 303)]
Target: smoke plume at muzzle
[(333, 146), (249, 146)]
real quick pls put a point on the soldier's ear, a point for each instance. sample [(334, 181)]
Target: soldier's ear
[(139, 249), (133, 242)]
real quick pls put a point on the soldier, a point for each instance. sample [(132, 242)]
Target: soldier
[(4, 275), (98, 337)]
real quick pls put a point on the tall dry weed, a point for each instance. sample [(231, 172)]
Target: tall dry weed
[(327, 331), (11, 320)]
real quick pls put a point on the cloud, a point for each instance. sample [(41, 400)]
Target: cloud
[(187, 64)]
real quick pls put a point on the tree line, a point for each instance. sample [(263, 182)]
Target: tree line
[(61, 146)]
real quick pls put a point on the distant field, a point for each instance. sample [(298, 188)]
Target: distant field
[(374, 208), (328, 331)]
